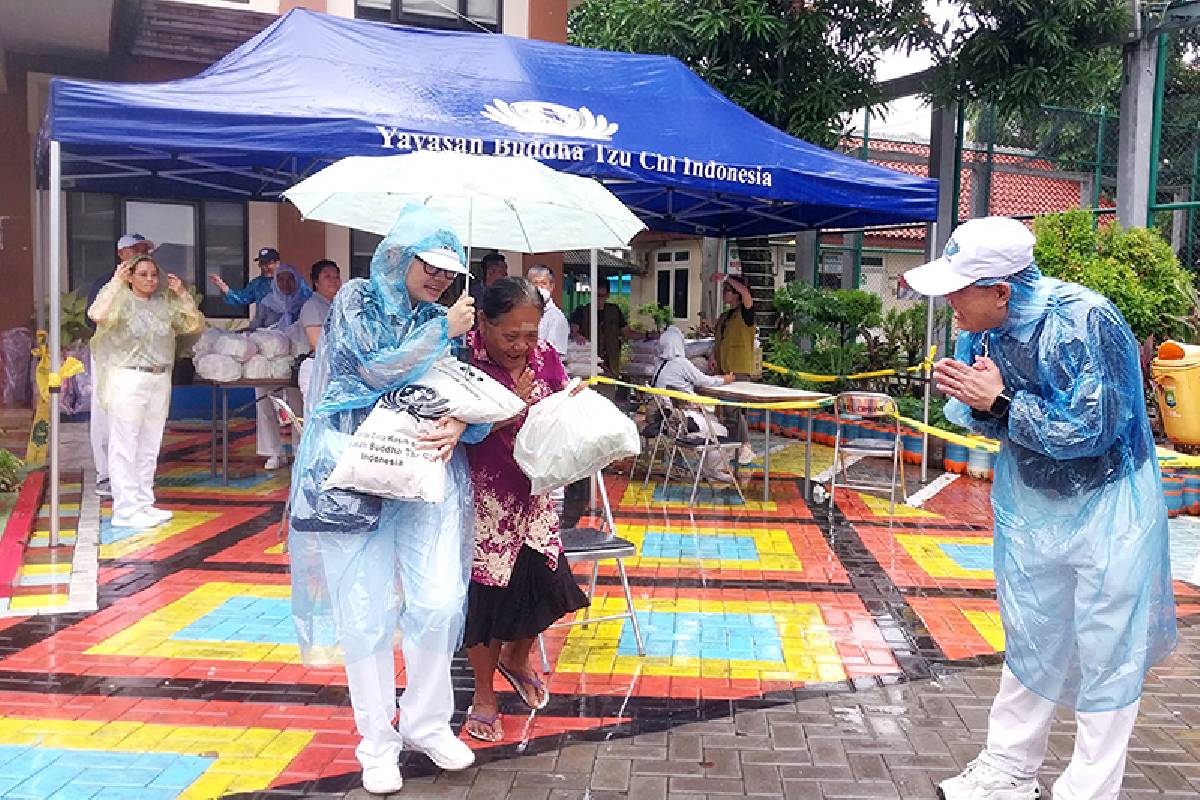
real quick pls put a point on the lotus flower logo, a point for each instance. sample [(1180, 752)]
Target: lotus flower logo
[(532, 116)]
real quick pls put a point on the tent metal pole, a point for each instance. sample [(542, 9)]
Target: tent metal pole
[(54, 338), (39, 257), (929, 302), (594, 329)]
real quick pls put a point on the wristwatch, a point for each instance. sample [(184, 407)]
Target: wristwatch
[(999, 409)]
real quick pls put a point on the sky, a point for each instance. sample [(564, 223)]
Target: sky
[(909, 116)]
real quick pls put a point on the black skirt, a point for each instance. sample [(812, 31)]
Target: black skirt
[(536, 597)]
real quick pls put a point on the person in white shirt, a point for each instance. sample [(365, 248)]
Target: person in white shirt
[(554, 327), (136, 325), (326, 279)]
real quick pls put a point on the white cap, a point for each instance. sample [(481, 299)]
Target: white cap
[(442, 259), (990, 247), (132, 239)]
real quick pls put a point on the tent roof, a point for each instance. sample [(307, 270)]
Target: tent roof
[(312, 88)]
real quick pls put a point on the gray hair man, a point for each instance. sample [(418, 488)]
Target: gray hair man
[(554, 327)]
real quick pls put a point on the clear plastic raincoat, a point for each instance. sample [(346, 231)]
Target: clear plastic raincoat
[(137, 332), (1081, 561), (360, 564)]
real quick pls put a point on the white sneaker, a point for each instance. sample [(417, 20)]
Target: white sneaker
[(161, 514), (982, 781), (447, 751), (384, 779), (103, 489), (274, 462), (138, 520), (746, 454)]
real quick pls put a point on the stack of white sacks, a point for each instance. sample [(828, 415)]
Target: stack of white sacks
[(258, 355), (579, 358)]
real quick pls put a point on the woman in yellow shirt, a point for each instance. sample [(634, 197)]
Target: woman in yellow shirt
[(733, 351)]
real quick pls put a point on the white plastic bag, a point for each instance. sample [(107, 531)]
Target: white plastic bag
[(271, 343), (237, 346), (280, 369), (216, 367), (257, 368), (565, 439), (207, 342), (383, 458)]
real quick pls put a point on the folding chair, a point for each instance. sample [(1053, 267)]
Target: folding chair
[(699, 443), (287, 417), (596, 545), (851, 407), (662, 438)]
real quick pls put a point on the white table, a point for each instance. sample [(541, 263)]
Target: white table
[(749, 392)]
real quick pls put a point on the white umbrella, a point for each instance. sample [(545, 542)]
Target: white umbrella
[(500, 202)]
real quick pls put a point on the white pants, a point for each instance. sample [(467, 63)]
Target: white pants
[(303, 377), (1019, 726), (135, 430), (425, 707), (98, 428), (268, 441)]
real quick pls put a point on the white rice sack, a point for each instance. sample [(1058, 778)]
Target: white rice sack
[(382, 458), (643, 347), (695, 348), (271, 343), (216, 367), (207, 343), (237, 346), (258, 368), (565, 439), (280, 369), (640, 369)]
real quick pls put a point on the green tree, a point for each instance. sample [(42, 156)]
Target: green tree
[(1019, 54), (1135, 268), (796, 64)]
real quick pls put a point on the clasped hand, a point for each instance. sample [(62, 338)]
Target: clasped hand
[(977, 385)]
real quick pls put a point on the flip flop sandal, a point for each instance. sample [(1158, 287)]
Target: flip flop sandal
[(519, 684), (484, 720)]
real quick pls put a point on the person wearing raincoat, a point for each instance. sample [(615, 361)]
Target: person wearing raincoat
[(365, 569), (134, 350), (1052, 370), (279, 309)]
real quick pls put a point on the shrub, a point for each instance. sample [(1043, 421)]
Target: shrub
[(1135, 268)]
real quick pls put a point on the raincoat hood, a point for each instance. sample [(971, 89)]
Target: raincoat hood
[(287, 305), (671, 344), (416, 230)]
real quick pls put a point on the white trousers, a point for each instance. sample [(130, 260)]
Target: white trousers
[(303, 377), (425, 707), (268, 441), (1018, 728), (98, 427), (135, 430)]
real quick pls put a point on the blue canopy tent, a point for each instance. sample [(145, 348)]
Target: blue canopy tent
[(312, 88)]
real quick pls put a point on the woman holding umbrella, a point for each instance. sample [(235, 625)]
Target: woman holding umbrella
[(365, 569)]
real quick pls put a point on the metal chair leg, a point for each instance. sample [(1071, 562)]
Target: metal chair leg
[(591, 590), (637, 629), (700, 455), (542, 652)]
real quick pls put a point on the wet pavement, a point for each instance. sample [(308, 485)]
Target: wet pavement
[(788, 655)]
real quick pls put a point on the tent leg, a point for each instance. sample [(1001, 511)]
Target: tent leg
[(931, 235), (594, 328), (54, 339), (39, 257)]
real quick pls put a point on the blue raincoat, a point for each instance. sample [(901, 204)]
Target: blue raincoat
[(1081, 561), (360, 565)]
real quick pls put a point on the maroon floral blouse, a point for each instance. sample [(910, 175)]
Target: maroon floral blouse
[(506, 514)]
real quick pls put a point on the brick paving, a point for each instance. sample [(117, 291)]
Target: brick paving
[(789, 655)]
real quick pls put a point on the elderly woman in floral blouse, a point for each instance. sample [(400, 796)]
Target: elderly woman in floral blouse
[(520, 582)]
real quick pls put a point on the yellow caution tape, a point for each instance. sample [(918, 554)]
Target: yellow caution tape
[(814, 377), (791, 405), (991, 445)]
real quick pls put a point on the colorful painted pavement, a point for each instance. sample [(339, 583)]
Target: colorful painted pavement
[(186, 682)]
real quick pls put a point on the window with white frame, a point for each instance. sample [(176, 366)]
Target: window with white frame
[(673, 276), (464, 14)]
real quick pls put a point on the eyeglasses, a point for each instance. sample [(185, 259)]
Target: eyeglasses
[(434, 272)]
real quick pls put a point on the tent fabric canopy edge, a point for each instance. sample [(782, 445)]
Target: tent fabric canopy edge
[(261, 119)]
